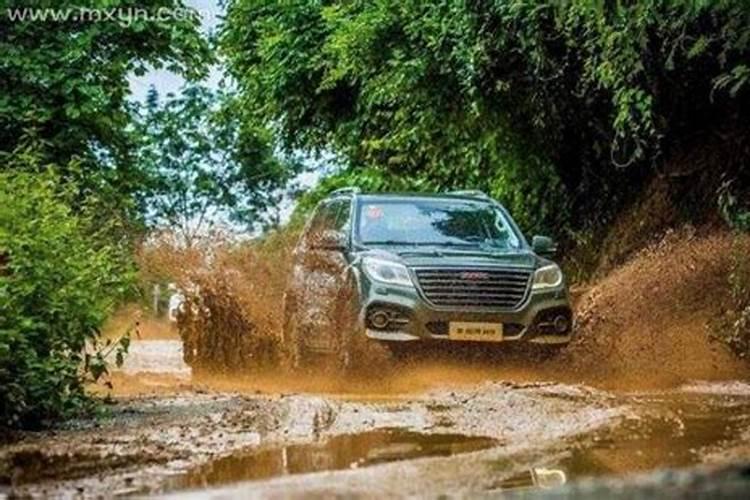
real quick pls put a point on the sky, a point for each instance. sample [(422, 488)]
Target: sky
[(165, 81)]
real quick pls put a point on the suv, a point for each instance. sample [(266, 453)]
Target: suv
[(375, 271)]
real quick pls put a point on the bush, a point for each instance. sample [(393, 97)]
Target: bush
[(733, 327), (59, 280)]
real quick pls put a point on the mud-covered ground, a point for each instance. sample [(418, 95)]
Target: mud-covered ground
[(427, 430)]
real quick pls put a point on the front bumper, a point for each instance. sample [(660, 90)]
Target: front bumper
[(416, 320)]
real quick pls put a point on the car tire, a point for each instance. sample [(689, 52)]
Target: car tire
[(358, 354), (400, 352), (296, 354), (301, 358), (546, 352)]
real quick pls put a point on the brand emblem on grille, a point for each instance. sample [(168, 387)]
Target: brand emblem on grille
[(474, 276)]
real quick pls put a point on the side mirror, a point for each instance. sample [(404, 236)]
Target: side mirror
[(544, 246), (329, 240)]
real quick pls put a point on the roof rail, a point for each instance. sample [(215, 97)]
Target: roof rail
[(470, 192), (345, 190)]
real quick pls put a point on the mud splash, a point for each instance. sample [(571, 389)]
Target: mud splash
[(652, 315), (648, 324), (156, 367)]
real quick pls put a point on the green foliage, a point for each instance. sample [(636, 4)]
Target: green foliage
[(59, 279), (734, 208), (544, 101), (203, 166), (733, 327), (367, 179), (65, 85)]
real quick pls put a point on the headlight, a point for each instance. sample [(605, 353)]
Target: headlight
[(387, 272), (547, 277)]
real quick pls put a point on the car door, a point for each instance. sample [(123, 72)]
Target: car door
[(321, 270)]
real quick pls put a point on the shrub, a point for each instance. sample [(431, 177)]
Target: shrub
[(59, 280), (734, 326)]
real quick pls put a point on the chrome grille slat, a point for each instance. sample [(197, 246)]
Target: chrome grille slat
[(502, 288), (459, 288), (452, 275), (473, 294), (453, 281)]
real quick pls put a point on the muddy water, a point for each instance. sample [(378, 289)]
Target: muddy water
[(673, 430), (667, 430), (645, 431), (681, 432), (349, 451), (155, 356)]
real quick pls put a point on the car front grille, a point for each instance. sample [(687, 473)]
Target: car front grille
[(497, 288)]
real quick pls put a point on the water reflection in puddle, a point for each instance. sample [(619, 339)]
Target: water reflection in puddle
[(667, 431), (681, 431), (339, 452), (685, 434)]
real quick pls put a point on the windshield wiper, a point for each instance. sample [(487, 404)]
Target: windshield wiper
[(388, 242), (454, 244)]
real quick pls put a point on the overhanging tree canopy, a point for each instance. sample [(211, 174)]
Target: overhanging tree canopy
[(528, 99)]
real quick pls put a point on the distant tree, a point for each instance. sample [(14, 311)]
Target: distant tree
[(203, 167), (64, 85)]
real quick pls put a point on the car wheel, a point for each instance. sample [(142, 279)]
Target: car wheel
[(296, 353), (356, 352), (400, 351), (544, 352)]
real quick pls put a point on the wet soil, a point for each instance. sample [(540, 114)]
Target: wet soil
[(430, 430)]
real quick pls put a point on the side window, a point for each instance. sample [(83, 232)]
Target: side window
[(329, 216), (323, 219), (343, 212)]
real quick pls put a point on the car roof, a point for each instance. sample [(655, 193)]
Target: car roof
[(424, 196)]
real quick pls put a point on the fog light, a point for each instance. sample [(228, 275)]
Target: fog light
[(379, 319), (561, 324)]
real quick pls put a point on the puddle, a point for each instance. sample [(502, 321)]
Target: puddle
[(681, 431), (672, 431), (347, 451), (685, 435)]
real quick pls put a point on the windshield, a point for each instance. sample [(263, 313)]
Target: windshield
[(435, 222)]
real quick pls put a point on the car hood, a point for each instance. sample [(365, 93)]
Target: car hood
[(439, 257)]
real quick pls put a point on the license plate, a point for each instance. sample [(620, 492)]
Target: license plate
[(482, 332)]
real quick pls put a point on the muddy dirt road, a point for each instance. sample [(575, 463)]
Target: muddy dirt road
[(433, 430)]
